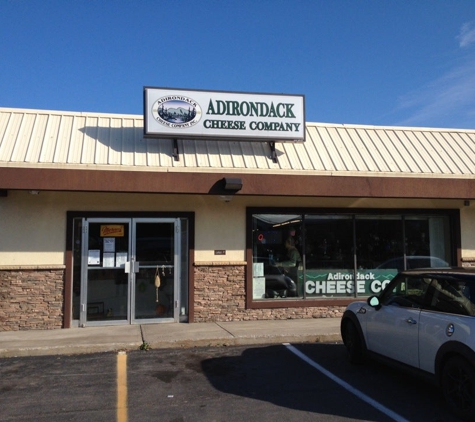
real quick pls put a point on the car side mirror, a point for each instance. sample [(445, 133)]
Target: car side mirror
[(374, 302)]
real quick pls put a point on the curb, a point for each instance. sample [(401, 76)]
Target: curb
[(169, 344), (243, 341)]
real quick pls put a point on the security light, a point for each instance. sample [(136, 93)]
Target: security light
[(231, 184)]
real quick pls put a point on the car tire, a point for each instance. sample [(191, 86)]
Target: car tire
[(353, 342), (458, 386)]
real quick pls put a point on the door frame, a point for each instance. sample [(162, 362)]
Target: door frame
[(131, 267), (176, 273), (72, 261)]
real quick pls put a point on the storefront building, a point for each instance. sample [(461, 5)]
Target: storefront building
[(102, 224)]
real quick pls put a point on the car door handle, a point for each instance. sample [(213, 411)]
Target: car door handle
[(411, 321)]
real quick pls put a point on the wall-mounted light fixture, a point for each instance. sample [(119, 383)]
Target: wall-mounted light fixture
[(226, 188), (466, 203), (34, 192), (232, 184)]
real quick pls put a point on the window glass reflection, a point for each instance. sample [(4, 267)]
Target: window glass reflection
[(348, 255), (329, 256), (277, 256), (379, 239)]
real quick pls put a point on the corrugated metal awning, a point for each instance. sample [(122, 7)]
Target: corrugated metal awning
[(53, 139)]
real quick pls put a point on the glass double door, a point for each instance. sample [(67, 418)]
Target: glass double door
[(130, 271)]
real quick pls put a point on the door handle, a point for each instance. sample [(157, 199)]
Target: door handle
[(132, 267), (411, 321)]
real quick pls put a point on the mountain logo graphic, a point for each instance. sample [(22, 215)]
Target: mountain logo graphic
[(176, 111)]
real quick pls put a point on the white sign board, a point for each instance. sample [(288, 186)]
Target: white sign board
[(258, 287), (177, 113)]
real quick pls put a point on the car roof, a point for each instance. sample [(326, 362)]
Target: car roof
[(452, 271), (414, 261)]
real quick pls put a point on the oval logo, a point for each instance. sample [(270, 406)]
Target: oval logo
[(176, 111)]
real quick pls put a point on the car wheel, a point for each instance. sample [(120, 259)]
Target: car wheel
[(458, 386), (353, 342)]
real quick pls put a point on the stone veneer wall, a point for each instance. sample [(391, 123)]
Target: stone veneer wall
[(220, 296), (31, 298)]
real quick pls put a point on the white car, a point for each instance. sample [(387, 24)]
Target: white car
[(425, 320)]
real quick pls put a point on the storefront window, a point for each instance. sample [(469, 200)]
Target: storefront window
[(313, 256), (277, 256), (427, 236), (379, 242), (329, 256)]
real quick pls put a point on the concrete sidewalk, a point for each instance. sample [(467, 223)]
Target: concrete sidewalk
[(158, 336)]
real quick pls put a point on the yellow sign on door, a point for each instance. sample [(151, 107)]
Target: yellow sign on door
[(112, 230)]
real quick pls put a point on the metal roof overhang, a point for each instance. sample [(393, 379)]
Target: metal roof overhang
[(200, 183)]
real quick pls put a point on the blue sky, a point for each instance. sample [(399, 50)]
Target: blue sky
[(376, 62)]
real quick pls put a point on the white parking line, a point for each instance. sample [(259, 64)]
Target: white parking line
[(346, 386)]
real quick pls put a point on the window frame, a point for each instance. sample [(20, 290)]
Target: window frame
[(302, 302)]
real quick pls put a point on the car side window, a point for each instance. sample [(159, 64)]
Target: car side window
[(408, 292), (452, 296)]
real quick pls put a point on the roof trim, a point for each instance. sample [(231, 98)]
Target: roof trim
[(253, 184)]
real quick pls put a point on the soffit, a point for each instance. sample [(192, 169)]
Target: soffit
[(54, 139)]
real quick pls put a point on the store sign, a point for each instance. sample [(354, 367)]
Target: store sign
[(341, 282), (176, 113)]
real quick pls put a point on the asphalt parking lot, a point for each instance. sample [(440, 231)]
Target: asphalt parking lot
[(275, 382)]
